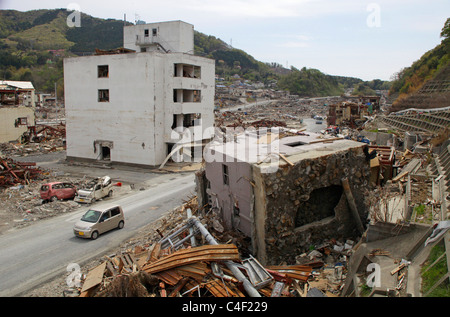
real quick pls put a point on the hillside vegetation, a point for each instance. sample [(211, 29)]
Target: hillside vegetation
[(34, 43), (411, 79), (310, 83)]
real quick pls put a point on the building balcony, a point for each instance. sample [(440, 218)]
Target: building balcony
[(149, 41)]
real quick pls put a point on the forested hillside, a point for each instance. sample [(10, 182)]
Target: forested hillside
[(34, 43), (310, 83), (411, 79)]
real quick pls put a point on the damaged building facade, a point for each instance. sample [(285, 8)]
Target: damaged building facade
[(125, 106), (304, 192), (17, 106)]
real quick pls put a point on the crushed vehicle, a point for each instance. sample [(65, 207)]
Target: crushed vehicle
[(57, 191), (96, 189)]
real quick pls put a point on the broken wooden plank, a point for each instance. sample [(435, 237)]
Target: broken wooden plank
[(398, 268), (285, 159), (298, 289), (154, 253), (325, 140), (352, 204), (94, 277)]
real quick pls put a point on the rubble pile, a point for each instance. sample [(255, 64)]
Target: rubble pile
[(39, 139), (23, 205), (184, 263), (274, 114), (14, 173)]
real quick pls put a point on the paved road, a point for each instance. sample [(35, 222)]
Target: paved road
[(33, 255), (312, 126), (261, 102)]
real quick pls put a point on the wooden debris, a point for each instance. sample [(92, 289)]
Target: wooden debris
[(190, 272), (398, 268), (15, 173), (94, 277)]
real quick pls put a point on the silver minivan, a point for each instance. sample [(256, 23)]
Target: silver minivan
[(99, 220)]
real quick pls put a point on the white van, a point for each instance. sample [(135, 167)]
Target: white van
[(99, 220)]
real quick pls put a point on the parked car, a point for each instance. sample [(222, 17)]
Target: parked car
[(95, 190), (99, 220), (57, 191)]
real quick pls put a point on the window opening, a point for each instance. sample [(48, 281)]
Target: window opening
[(226, 179), (317, 208), (103, 71), (103, 95), (106, 153)]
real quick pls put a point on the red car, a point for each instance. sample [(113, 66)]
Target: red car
[(57, 191)]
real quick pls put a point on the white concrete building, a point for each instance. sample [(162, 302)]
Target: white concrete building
[(124, 107)]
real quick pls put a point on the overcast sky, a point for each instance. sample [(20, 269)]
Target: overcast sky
[(360, 38)]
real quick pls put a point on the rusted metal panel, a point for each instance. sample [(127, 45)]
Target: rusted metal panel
[(298, 272), (203, 253), (196, 271), (170, 277), (222, 289)]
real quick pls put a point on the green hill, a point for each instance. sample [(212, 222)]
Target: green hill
[(34, 43), (410, 79), (310, 83)]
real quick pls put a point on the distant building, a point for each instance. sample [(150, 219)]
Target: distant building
[(17, 93), (17, 101), (123, 106)]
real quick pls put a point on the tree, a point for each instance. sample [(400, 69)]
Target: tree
[(445, 33)]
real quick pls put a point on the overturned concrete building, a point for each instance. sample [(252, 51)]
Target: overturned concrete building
[(286, 194)]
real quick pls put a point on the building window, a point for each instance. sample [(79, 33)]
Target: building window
[(189, 71), (103, 95), (20, 122), (187, 95), (146, 33), (226, 178), (103, 71)]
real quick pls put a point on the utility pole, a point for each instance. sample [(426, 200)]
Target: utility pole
[(56, 104)]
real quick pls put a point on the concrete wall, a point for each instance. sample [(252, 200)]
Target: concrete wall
[(128, 119), (175, 36), (139, 115), (235, 198), (8, 117), (285, 196)]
